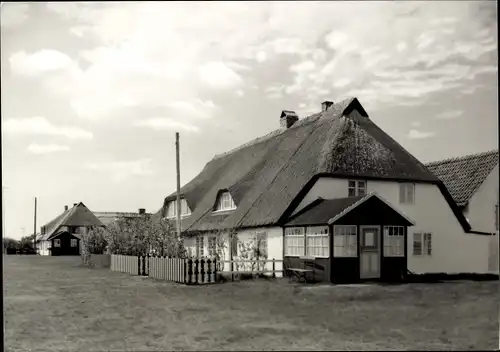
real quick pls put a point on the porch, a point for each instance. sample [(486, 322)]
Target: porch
[(348, 240)]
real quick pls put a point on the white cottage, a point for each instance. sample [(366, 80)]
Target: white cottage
[(326, 167), (473, 182)]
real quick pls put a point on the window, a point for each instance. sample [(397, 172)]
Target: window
[(74, 242), (294, 241), (345, 241), (356, 188), (261, 245), (57, 243), (76, 230), (407, 193), (422, 244), (212, 246), (225, 202), (394, 241), (317, 241), (172, 208), (200, 250)]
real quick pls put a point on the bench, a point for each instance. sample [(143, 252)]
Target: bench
[(308, 266)]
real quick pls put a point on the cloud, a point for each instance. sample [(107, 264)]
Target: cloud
[(13, 14), (47, 148), (449, 115), (165, 123), (415, 123), (261, 56), (196, 108), (39, 125), (219, 75), (45, 60), (416, 134), (121, 170)]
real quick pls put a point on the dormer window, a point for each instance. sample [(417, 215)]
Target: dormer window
[(172, 208), (225, 202)]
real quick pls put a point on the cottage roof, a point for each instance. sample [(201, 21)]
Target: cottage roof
[(265, 175), (108, 217), (463, 176), (78, 215), (328, 211)]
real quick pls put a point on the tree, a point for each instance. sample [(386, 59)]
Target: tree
[(10, 243)]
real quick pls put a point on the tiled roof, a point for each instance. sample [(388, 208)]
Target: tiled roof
[(265, 175), (463, 176)]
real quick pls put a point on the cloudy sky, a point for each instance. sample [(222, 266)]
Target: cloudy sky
[(93, 93)]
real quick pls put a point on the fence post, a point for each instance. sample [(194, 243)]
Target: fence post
[(138, 265), (274, 269), (208, 269), (190, 271), (202, 270), (184, 265), (196, 270)]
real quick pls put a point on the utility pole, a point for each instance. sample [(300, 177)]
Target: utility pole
[(34, 229), (3, 219), (177, 161)]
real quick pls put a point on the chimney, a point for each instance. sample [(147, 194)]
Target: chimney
[(288, 118), (142, 211), (65, 208), (326, 105), (74, 204)]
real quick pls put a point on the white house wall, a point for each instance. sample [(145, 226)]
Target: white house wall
[(481, 212), (453, 251), (274, 245), (43, 247)]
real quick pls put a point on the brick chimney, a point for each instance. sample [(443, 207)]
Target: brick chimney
[(326, 105), (288, 118), (142, 211), (74, 204), (65, 208)]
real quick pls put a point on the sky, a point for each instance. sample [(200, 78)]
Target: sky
[(93, 93)]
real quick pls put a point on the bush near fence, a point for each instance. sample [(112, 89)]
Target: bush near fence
[(191, 271)]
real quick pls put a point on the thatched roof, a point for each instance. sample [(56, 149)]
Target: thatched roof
[(264, 176), (78, 215), (464, 175)]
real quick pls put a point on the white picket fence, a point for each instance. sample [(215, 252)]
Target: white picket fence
[(125, 264), (169, 269)]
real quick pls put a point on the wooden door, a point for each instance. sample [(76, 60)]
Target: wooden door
[(369, 252)]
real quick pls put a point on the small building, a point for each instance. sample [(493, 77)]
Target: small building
[(350, 239), (61, 236)]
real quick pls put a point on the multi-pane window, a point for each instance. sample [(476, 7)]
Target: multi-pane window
[(212, 246), (172, 208), (394, 241), (225, 202), (407, 193), (261, 244), (74, 242), (294, 241), (422, 243), (345, 241), (356, 188), (57, 242), (317, 241), (200, 246)]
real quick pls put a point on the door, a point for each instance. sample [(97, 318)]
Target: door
[(369, 252)]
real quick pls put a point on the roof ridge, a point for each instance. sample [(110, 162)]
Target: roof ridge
[(463, 157), (343, 104)]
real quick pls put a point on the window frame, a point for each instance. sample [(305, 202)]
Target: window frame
[(200, 246), (224, 202), (346, 240), (299, 234), (355, 186), (57, 242), (212, 246), (173, 205), (75, 241), (394, 244), (316, 235), (425, 244), (404, 188)]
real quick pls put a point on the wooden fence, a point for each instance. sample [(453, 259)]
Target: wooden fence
[(124, 263), (190, 271)]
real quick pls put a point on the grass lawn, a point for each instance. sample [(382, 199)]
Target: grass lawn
[(52, 304)]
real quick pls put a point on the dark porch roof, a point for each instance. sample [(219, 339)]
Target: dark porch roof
[(328, 211)]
